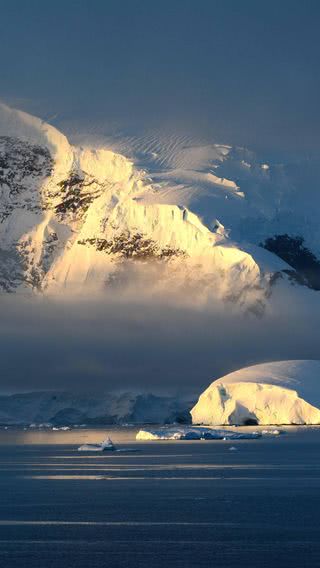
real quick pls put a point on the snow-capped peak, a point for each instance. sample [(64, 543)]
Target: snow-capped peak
[(77, 217)]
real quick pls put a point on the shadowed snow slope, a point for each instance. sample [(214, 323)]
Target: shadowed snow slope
[(284, 392), (63, 408)]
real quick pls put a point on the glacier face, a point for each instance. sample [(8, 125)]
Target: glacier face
[(76, 219), (283, 392)]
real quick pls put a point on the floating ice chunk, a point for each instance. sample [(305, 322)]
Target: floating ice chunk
[(194, 433), (90, 448), (106, 445), (233, 449)]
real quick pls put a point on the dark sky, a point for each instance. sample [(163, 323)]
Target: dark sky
[(242, 71), (239, 71)]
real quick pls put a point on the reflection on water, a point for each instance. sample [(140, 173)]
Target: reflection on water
[(77, 436), (173, 467), (155, 478), (111, 523)]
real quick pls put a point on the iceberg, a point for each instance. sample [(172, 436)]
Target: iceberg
[(282, 392), (193, 433)]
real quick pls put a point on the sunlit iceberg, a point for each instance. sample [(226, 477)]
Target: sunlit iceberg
[(283, 392)]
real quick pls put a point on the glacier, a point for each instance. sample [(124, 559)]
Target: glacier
[(282, 392)]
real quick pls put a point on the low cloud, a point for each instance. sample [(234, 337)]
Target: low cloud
[(111, 344)]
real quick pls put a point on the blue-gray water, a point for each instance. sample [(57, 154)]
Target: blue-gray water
[(170, 504)]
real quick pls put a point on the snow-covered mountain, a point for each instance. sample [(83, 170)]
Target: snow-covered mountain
[(66, 408), (167, 215)]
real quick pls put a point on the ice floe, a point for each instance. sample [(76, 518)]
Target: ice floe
[(193, 433)]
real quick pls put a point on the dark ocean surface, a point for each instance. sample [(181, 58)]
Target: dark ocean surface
[(167, 504)]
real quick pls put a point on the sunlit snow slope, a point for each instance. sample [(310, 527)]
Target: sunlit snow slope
[(142, 215), (284, 392)]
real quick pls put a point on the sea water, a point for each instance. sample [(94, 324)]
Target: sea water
[(166, 504)]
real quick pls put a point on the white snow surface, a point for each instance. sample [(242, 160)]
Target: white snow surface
[(170, 212), (17, 124), (252, 198), (283, 392)]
